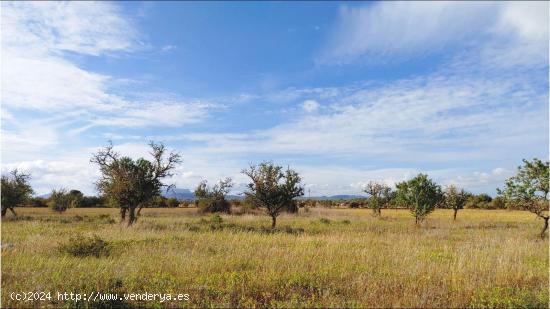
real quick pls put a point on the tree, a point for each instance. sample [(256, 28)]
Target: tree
[(76, 198), (271, 188), (16, 190), (455, 199), (420, 195), (379, 195), (212, 199), (528, 189), (61, 200), (128, 183)]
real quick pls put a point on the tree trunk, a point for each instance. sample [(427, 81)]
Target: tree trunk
[(123, 214), (132, 217), (4, 210), (380, 212), (13, 211), (273, 222), (454, 216), (139, 212), (542, 234)]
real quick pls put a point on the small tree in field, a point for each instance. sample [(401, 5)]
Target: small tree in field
[(272, 188), (16, 190), (420, 195), (60, 200), (455, 199), (76, 198), (379, 196), (212, 199), (129, 183), (528, 189)]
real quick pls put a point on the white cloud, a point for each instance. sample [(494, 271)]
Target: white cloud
[(167, 48), (39, 77), (310, 106), (387, 31), (53, 27)]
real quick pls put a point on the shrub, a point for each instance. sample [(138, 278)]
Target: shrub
[(212, 199), (81, 246), (172, 202), (212, 204), (324, 221), (60, 200), (497, 203), (478, 201)]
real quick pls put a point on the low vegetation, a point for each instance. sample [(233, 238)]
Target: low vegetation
[(212, 199), (322, 258), (322, 254)]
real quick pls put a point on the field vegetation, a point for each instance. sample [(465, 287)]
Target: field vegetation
[(318, 257)]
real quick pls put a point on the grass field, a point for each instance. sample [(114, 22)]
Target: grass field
[(320, 258)]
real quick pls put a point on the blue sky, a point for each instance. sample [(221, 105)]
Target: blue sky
[(343, 92)]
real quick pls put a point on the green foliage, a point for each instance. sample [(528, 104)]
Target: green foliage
[(60, 200), (172, 202), (81, 246), (211, 205), (454, 199), (420, 195), (212, 199), (273, 189), (528, 189), (481, 201), (16, 190), (92, 201), (500, 203), (380, 194), (38, 202)]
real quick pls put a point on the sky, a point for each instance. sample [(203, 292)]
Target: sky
[(344, 93)]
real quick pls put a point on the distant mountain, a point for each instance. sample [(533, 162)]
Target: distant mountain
[(180, 194), (188, 195), (333, 197)]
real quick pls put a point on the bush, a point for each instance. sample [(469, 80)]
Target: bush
[(291, 207), (172, 202), (211, 204), (497, 203), (38, 202), (481, 201), (60, 200), (81, 246)]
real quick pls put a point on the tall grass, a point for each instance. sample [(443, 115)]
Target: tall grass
[(322, 258)]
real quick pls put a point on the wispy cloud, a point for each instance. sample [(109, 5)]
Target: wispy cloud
[(396, 31), (40, 75)]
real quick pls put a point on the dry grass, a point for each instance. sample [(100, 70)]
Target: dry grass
[(322, 258)]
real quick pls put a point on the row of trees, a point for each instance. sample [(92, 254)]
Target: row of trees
[(133, 184)]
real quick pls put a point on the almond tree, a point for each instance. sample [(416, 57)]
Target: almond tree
[(455, 199), (129, 183), (420, 195), (212, 199), (272, 188), (528, 189), (379, 195), (16, 190)]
